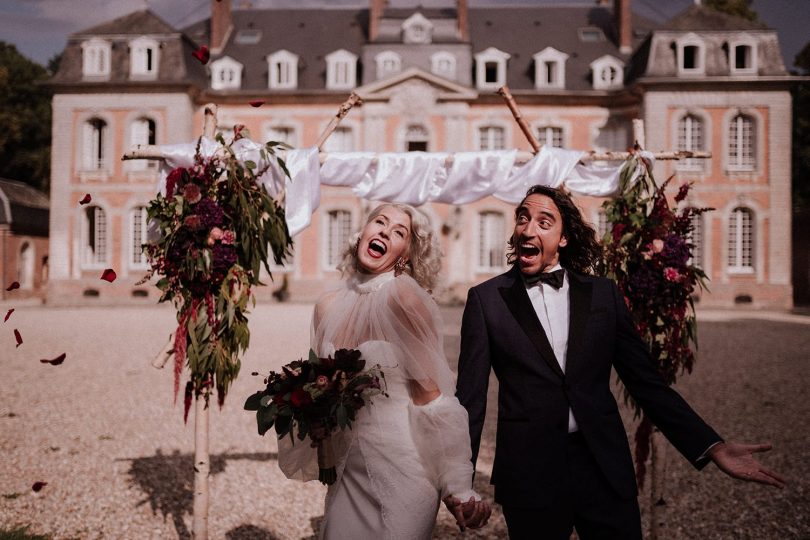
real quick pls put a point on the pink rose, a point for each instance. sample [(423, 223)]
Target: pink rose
[(193, 222), (228, 237), (671, 274), (214, 235), (322, 381), (657, 245)]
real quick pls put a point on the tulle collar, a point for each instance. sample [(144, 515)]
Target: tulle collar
[(366, 283)]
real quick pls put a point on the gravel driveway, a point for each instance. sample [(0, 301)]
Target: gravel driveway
[(102, 431)]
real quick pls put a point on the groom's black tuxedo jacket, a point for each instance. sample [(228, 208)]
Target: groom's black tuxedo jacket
[(500, 331)]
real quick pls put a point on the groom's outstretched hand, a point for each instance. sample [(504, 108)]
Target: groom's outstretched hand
[(471, 514), (737, 460)]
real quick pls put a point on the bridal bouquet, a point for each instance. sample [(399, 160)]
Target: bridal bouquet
[(314, 398)]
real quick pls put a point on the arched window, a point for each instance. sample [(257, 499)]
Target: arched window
[(94, 244), (94, 145), (742, 143), (550, 135), (697, 240), (416, 138), (741, 240), (338, 231), (138, 234), (690, 137), (491, 241), (143, 132), (491, 138)]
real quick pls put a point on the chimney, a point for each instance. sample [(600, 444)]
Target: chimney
[(621, 14), (374, 15), (463, 24), (221, 24)]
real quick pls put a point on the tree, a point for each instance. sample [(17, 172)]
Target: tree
[(801, 134), (25, 117), (740, 8)]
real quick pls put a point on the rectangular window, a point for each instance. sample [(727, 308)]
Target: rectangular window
[(138, 237), (491, 138), (491, 241), (697, 241), (95, 242), (741, 240), (551, 136), (690, 138), (341, 140), (741, 139), (339, 229), (690, 57), (551, 72), (491, 72), (742, 57)]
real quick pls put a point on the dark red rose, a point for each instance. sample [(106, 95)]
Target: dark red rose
[(193, 222), (300, 397), (191, 192), (618, 231)]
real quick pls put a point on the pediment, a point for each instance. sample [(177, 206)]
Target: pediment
[(415, 78)]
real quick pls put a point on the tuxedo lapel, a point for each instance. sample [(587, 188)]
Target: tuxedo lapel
[(517, 300), (579, 296)]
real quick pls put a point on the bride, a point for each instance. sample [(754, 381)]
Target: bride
[(408, 451)]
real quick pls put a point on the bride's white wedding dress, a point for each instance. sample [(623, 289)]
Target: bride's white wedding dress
[(399, 459)]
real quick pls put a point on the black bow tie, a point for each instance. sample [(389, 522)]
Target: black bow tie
[(555, 278)]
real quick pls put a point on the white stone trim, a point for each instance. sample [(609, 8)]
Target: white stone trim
[(490, 55), (144, 58), (742, 40), (436, 60), (341, 70), (551, 55), (384, 58), (690, 40), (96, 59), (220, 67), (279, 62), (416, 29), (607, 72)]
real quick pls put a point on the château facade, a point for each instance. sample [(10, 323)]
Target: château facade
[(580, 74)]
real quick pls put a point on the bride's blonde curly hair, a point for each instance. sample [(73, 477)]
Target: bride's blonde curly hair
[(424, 254)]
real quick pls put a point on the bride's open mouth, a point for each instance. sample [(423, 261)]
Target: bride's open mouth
[(376, 248)]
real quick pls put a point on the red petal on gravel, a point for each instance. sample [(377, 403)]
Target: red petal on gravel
[(39, 485), (109, 275), (87, 198), (255, 373), (56, 361), (256, 103), (8, 314), (18, 337), (15, 285), (202, 54)]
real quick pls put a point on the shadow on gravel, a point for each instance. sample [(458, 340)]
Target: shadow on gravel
[(249, 532), (168, 481)]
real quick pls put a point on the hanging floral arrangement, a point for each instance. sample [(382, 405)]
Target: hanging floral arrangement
[(216, 226), (649, 252)]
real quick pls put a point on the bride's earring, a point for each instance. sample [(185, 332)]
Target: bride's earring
[(399, 266)]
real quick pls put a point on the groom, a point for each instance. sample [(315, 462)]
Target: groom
[(552, 334)]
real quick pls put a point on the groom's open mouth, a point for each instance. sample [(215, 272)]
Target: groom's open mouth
[(528, 252), (376, 248)]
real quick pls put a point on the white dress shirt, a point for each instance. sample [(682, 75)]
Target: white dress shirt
[(553, 309)]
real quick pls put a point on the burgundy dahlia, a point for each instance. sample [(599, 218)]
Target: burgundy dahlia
[(210, 213)]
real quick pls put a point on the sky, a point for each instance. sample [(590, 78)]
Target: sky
[(39, 28)]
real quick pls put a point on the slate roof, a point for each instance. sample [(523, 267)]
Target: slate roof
[(699, 18), (177, 66), (24, 207)]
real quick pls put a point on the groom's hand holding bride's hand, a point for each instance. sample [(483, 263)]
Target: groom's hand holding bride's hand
[(737, 460), (471, 514)]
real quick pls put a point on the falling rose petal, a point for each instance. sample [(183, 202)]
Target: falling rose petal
[(18, 337), (38, 486), (256, 103), (15, 285), (86, 199), (109, 275), (8, 314), (255, 373), (202, 54), (56, 361)]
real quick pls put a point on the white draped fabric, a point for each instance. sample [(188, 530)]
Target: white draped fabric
[(413, 177), (399, 458)]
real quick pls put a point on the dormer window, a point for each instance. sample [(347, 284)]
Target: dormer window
[(341, 70), (691, 55), (443, 64), (549, 68), (143, 58), (490, 69), (282, 70), (417, 29), (96, 58), (742, 57), (607, 72), (226, 74), (388, 63)]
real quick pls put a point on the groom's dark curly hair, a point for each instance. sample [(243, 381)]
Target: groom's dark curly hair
[(583, 253)]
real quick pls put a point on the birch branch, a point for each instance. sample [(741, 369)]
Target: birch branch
[(343, 110), (524, 127)]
